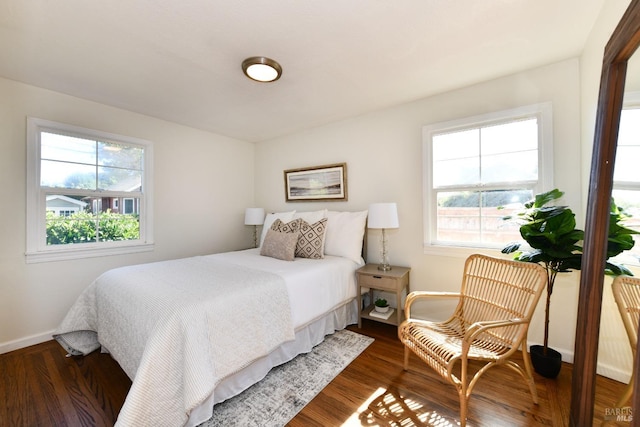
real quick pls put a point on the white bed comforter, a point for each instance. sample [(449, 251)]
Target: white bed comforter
[(178, 328)]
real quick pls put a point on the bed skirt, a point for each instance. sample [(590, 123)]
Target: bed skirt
[(306, 338)]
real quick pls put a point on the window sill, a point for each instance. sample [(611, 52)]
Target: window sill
[(460, 251), (80, 253)]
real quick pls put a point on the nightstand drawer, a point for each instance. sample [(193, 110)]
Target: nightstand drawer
[(378, 282)]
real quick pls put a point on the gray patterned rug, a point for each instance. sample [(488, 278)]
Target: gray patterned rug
[(288, 388)]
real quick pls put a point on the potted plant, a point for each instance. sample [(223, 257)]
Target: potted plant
[(555, 243), (381, 305)]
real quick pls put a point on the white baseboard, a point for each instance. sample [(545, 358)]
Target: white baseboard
[(6, 347), (606, 370), (614, 373)]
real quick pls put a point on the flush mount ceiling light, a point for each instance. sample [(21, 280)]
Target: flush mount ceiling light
[(261, 69)]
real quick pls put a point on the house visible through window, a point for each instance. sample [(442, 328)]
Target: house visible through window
[(478, 170), (76, 179), (626, 179)]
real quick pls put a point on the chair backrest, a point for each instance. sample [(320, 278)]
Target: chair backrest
[(499, 289), (626, 293)]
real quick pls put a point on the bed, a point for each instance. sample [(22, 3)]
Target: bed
[(194, 332)]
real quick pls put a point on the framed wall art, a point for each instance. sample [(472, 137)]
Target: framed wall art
[(319, 183)]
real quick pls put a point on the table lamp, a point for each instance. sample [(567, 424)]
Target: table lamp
[(384, 216), (255, 217)]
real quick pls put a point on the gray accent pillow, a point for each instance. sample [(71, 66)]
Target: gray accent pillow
[(279, 245)]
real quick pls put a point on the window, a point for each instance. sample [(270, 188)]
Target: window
[(74, 177), (480, 169), (129, 206), (626, 180)]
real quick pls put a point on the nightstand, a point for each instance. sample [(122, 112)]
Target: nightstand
[(395, 280)]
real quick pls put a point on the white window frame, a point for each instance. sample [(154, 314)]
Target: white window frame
[(544, 113), (631, 100), (37, 249)]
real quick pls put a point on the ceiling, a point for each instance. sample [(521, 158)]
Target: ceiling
[(179, 60)]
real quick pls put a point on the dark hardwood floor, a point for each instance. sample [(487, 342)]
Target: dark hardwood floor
[(39, 386)]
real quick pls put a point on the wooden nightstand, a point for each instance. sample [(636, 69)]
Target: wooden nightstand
[(395, 280)]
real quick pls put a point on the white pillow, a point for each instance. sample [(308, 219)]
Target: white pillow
[(345, 231), (268, 221), (311, 217)]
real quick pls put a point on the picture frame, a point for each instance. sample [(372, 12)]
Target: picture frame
[(318, 183)]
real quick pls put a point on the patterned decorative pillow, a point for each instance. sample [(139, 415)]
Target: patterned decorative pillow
[(280, 245), (311, 239), (286, 227)]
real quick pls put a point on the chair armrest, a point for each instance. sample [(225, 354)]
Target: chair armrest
[(479, 327), (417, 295)]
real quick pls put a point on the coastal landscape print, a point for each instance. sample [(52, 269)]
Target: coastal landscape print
[(317, 183)]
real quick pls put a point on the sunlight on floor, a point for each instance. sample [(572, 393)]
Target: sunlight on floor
[(389, 408)]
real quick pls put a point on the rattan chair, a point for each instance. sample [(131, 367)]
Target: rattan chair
[(490, 322), (626, 293)]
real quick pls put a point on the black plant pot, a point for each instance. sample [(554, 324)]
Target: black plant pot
[(546, 365)]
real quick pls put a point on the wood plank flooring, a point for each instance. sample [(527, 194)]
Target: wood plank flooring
[(39, 386)]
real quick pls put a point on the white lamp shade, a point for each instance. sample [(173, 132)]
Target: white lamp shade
[(383, 215), (254, 216)]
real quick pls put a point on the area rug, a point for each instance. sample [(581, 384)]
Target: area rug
[(288, 388)]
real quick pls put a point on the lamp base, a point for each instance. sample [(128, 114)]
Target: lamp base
[(255, 236), (384, 267)]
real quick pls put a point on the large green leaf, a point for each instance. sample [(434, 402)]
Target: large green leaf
[(542, 199), (511, 247), (620, 238), (613, 269)]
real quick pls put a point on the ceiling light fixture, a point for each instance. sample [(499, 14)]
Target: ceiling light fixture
[(261, 69)]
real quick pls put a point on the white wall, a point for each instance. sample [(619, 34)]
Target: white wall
[(202, 182), (383, 152)]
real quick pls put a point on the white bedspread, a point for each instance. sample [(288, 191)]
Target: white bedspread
[(178, 328), (316, 286)]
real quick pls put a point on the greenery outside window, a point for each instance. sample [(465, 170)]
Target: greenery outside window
[(78, 182), (479, 169)]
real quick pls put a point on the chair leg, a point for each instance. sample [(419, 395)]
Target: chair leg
[(528, 368), (628, 391), (406, 357), (463, 407), (462, 391)]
